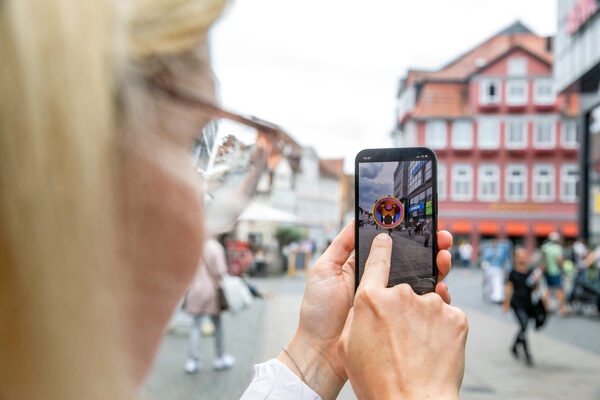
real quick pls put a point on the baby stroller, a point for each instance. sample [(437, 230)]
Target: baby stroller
[(586, 291)]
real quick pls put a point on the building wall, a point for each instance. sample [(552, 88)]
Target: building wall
[(525, 221)]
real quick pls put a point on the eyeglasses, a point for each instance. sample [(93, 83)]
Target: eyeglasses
[(231, 153)]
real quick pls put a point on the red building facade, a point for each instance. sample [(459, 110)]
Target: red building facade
[(507, 145)]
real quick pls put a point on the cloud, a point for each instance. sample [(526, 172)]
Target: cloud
[(370, 170), (369, 192)]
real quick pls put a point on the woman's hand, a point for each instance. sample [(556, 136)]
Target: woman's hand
[(397, 344), (327, 299)]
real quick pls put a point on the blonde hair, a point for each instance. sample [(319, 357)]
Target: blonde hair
[(62, 62)]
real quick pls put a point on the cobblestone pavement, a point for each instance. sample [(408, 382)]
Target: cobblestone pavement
[(566, 352), (410, 257)]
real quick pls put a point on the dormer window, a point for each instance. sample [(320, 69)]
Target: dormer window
[(544, 92), (489, 91), (517, 66), (516, 92)]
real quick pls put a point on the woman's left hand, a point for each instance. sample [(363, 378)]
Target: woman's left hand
[(327, 300)]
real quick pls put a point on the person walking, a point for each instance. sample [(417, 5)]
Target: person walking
[(427, 233), (494, 257), (202, 299), (553, 260), (517, 295), (465, 251)]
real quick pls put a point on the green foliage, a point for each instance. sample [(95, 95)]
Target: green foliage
[(288, 234)]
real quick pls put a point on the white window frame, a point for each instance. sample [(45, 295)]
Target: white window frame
[(436, 127), (442, 181), (507, 128), (517, 66), (484, 179), (483, 133), (568, 179), (550, 144), (538, 179), (456, 179), (462, 127), (543, 99), (509, 179), (565, 141), (512, 100), (484, 97)]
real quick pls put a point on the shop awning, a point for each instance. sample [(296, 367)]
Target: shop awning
[(516, 229), (461, 227), (264, 213), (488, 228), (570, 230), (543, 229)]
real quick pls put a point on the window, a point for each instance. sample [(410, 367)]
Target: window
[(462, 134), (517, 66), (543, 134), (441, 181), (435, 134), (544, 91), (516, 182), (489, 182), (516, 134), (462, 182), (516, 92), (543, 183), (489, 91), (569, 182), (569, 134), (489, 133)]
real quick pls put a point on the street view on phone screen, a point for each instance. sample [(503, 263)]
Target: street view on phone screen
[(397, 197)]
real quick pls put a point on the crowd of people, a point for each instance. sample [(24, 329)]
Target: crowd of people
[(559, 276)]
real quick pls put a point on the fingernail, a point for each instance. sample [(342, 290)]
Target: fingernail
[(383, 236)]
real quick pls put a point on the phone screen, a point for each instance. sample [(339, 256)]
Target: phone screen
[(398, 197)]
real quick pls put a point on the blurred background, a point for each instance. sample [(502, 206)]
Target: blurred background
[(506, 93)]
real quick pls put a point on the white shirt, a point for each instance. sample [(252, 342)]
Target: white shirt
[(273, 381)]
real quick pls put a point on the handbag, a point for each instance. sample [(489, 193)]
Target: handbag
[(236, 292), (221, 299)]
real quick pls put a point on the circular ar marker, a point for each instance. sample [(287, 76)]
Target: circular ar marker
[(388, 212)]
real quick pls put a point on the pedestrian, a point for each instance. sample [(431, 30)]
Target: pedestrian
[(202, 300), (427, 232), (494, 258), (518, 291), (465, 251), (552, 258), (105, 220)]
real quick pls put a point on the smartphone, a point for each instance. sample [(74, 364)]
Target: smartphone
[(396, 193)]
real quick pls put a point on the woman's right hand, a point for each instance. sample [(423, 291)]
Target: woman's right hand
[(397, 344)]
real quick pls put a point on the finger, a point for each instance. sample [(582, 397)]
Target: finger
[(377, 267), (444, 263), (442, 289), (348, 273), (444, 240), (346, 333), (341, 247)]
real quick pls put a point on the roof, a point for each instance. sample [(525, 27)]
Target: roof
[(514, 35), (443, 93), (514, 28), (332, 167), (442, 99), (491, 50)]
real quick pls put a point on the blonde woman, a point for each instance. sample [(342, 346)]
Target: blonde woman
[(101, 217)]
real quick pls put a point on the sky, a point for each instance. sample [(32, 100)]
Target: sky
[(376, 181), (327, 71)]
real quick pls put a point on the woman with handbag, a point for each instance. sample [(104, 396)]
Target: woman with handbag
[(204, 297)]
